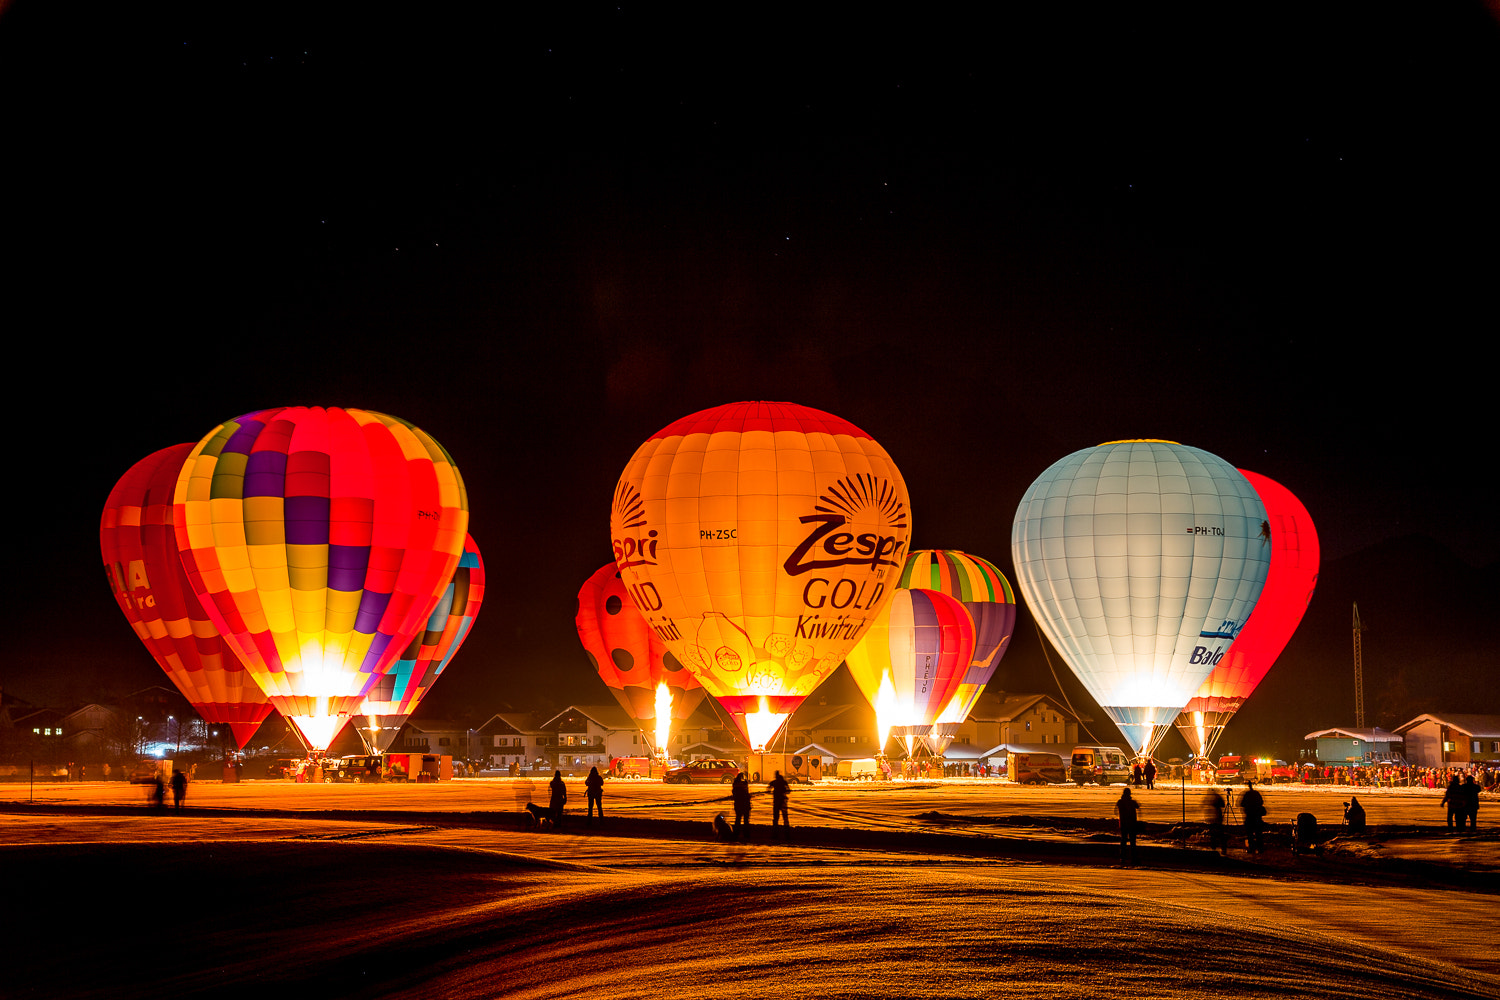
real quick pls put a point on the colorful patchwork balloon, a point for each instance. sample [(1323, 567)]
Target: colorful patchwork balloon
[(146, 575), (319, 541), (1141, 561), (1290, 582), (759, 540), (395, 696), (642, 674)]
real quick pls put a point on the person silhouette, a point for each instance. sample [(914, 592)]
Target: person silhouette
[(1253, 807), (779, 792), (739, 794), (179, 789), (593, 787), (559, 798), (1126, 807)]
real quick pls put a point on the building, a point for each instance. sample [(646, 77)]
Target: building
[(1340, 746), (1441, 739), (1002, 717)]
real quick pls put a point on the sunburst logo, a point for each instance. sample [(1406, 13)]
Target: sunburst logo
[(629, 516), (854, 494), (852, 498)]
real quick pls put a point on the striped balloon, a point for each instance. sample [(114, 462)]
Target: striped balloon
[(990, 601), (910, 662), (145, 573), (319, 541), (400, 689)]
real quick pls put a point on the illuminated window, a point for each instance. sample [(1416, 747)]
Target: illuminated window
[(1447, 746), (1028, 725), (1478, 747), (37, 730)]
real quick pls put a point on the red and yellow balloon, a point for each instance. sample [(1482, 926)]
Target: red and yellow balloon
[(319, 541), (759, 540)]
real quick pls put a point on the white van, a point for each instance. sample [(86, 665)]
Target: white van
[(860, 769)]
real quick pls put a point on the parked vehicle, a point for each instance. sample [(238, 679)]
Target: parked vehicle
[(701, 772), (365, 768), (859, 769), (1101, 765), (282, 767), (1037, 768), (146, 772), (636, 767), (1282, 771), (1234, 769), (795, 767)]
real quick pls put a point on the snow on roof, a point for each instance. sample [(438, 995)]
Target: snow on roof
[(1481, 726), (1376, 735)]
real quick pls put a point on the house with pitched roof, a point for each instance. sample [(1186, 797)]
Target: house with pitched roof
[(1440, 739)]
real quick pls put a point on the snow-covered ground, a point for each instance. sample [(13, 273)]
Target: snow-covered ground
[(233, 899)]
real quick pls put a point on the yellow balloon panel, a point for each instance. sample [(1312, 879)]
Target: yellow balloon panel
[(759, 540)]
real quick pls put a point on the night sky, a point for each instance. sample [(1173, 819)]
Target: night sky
[(543, 236)]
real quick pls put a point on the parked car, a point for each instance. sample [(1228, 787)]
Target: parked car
[(1101, 765), (361, 767), (1282, 771), (145, 772), (282, 767), (703, 771)]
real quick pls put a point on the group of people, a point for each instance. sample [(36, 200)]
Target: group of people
[(156, 790), (739, 795), (1462, 800)]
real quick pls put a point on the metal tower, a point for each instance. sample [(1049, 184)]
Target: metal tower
[(1359, 676)]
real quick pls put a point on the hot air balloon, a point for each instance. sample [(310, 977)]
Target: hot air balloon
[(645, 677), (987, 596), (1289, 587), (1141, 561), (395, 696), (319, 541), (759, 540), (912, 660), (141, 561)]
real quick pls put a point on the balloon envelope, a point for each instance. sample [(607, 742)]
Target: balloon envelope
[(1141, 561), (1290, 581), (987, 596), (912, 660), (395, 696), (146, 575), (759, 540), (319, 541), (631, 659)]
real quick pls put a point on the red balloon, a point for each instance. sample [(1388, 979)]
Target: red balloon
[(145, 572), (1290, 581), (629, 656)]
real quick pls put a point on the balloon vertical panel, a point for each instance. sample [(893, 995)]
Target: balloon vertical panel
[(1290, 581), (319, 540), (922, 643), (758, 540), (145, 572), (1141, 561)]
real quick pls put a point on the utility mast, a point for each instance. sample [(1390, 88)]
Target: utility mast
[(1359, 676)]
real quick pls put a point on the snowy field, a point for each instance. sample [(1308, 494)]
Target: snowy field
[(271, 888)]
